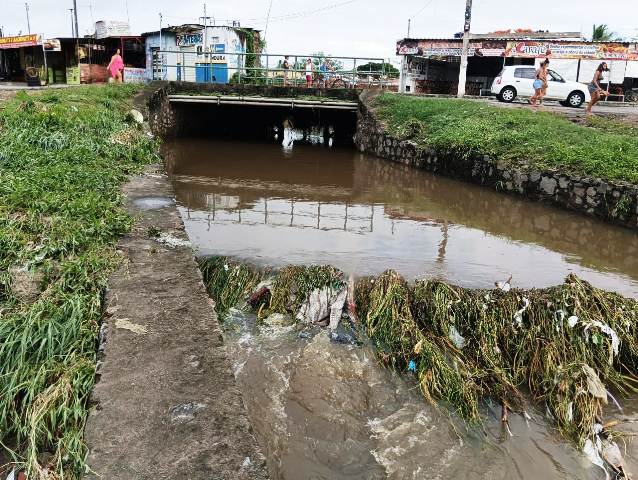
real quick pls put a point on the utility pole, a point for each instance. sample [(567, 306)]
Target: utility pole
[(26, 6), (72, 27), (466, 48), (409, 20), (205, 32), (75, 14)]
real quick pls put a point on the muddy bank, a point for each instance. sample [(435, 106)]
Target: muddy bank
[(166, 404)]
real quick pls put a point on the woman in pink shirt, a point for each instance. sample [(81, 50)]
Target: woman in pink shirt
[(116, 66)]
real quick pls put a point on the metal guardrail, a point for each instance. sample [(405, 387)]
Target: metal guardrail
[(264, 102), (267, 69)]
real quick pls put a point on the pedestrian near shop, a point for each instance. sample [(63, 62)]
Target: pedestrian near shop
[(595, 90), (116, 65), (540, 83)]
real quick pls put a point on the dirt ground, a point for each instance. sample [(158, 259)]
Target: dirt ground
[(166, 403)]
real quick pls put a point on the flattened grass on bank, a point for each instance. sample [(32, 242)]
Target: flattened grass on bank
[(544, 140), (63, 157)]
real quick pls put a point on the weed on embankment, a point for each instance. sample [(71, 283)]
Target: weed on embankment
[(542, 139), (64, 155)]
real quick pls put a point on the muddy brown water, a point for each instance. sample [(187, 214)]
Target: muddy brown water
[(328, 411)]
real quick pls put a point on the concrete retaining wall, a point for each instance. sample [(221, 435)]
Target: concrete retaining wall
[(612, 201)]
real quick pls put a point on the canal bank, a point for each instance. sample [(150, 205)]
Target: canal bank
[(540, 156)]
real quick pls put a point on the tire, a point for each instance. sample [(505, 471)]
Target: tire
[(575, 99), (507, 95)]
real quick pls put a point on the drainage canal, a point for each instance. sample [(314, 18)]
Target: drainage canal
[(324, 410)]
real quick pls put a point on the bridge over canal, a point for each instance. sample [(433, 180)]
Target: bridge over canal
[(181, 108)]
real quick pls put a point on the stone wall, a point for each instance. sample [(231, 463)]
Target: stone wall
[(163, 118), (612, 201)]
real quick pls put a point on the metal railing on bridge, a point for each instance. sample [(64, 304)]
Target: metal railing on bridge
[(268, 69)]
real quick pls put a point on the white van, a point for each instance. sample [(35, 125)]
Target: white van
[(518, 80)]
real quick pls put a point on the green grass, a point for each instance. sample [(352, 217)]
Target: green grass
[(63, 157), (606, 149)]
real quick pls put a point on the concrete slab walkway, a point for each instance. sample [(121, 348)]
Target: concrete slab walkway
[(166, 402)]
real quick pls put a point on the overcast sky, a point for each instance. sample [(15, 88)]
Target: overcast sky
[(337, 27)]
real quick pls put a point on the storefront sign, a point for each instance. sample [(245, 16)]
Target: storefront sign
[(217, 58), (450, 48), (52, 45), (592, 51), (134, 75), (190, 39), (110, 28), (519, 49), (20, 41)]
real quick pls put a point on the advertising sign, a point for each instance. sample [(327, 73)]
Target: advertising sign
[(217, 58), (590, 51), (110, 28), (20, 41), (134, 75), (519, 49), (190, 39), (428, 48), (52, 45)]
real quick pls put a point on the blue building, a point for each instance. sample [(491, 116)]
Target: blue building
[(195, 53)]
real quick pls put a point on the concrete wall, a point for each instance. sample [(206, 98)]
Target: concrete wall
[(612, 201)]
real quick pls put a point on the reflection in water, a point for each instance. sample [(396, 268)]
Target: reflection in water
[(262, 203), (324, 411)]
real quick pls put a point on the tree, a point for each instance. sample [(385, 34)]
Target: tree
[(390, 70), (601, 33)]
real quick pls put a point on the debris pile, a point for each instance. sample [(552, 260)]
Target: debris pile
[(563, 348)]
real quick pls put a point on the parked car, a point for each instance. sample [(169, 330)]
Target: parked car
[(518, 80)]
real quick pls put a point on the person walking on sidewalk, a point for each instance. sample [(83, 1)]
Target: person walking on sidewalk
[(116, 65), (540, 84), (596, 91)]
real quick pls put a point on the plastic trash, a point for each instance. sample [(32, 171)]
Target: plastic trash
[(504, 286), (456, 337), (323, 303), (594, 385), (612, 455), (259, 297), (592, 450), (518, 316), (412, 366)]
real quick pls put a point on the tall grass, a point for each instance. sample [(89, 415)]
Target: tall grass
[(607, 149), (62, 162)]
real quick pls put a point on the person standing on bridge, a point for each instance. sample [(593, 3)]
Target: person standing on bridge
[(286, 67), (309, 68), (116, 66)]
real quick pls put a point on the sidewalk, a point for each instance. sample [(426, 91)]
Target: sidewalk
[(167, 404)]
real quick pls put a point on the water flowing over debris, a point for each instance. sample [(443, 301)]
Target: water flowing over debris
[(465, 345)]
